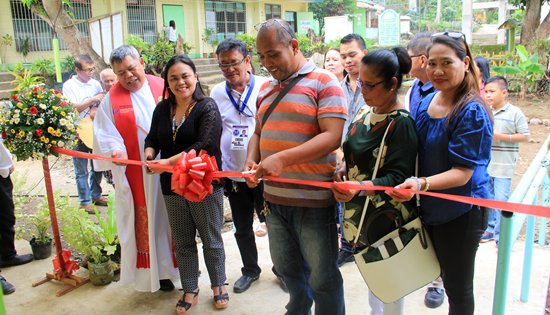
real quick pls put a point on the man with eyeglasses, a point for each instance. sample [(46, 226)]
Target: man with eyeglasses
[(297, 139), (236, 100), (85, 93)]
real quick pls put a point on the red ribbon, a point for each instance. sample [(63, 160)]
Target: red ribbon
[(202, 175), (70, 265)]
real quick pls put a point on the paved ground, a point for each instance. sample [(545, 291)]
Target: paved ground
[(265, 296)]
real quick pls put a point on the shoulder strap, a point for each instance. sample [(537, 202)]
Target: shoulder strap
[(374, 172), (280, 96)]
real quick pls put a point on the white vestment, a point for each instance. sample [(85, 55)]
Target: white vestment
[(106, 140)]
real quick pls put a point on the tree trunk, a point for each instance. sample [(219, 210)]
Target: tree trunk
[(543, 31), (66, 29), (438, 12), (531, 21)]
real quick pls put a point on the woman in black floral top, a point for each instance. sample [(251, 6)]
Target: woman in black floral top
[(381, 74), (186, 120)]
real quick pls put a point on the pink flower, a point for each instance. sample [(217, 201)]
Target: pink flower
[(33, 110)]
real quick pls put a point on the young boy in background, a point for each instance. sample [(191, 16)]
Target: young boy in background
[(510, 128)]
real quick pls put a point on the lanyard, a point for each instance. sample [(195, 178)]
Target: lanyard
[(245, 102)]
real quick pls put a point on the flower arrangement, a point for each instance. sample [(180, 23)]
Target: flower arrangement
[(36, 119)]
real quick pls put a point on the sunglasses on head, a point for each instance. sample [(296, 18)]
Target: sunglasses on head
[(454, 35)]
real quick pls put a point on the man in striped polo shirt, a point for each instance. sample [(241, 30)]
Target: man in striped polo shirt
[(298, 141), (510, 128)]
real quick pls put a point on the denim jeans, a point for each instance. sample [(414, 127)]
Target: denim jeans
[(345, 246), (304, 249), (500, 188), (81, 172)]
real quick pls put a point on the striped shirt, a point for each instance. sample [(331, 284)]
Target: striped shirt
[(504, 154), (295, 121)]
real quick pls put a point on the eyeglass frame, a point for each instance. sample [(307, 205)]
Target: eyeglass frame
[(366, 86), (229, 65), (286, 27), (89, 70)]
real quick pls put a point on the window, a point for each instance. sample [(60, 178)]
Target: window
[(142, 20), (272, 11), (290, 17), (34, 33), (228, 19)]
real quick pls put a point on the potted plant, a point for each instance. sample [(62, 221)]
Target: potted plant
[(38, 225), (209, 38), (89, 238)]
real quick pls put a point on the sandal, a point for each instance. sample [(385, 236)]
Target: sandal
[(261, 230), (221, 300), (182, 307)]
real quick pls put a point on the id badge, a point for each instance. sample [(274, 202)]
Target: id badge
[(239, 137)]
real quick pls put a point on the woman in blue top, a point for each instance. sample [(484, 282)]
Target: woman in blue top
[(455, 135)]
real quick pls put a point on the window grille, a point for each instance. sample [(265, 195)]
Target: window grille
[(31, 30), (272, 11), (290, 17), (228, 19), (142, 20)]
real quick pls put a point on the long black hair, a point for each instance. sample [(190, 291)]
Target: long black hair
[(484, 69), (198, 95)]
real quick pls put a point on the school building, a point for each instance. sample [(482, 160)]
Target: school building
[(147, 19)]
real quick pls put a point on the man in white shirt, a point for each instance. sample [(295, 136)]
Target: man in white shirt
[(85, 93), (121, 124), (236, 99)]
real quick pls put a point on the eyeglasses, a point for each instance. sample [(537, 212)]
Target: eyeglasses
[(454, 35), (246, 111), (225, 66), (367, 86), (89, 70), (282, 23)]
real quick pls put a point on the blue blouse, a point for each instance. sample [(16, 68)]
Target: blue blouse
[(466, 142)]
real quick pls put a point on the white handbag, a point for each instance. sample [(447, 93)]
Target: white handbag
[(402, 261)]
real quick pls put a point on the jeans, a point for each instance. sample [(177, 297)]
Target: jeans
[(7, 219), (243, 201), (456, 243), (500, 189), (345, 246), (81, 172), (304, 249)]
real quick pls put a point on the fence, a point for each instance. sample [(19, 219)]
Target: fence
[(533, 183)]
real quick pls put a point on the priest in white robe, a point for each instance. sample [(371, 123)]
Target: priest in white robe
[(144, 232)]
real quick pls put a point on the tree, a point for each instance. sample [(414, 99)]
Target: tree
[(532, 27), (324, 8), (54, 13), (438, 12)]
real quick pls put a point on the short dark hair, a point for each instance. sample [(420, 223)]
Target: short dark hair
[(198, 95), (389, 63), (420, 43), (229, 44), (500, 80), (354, 37), (284, 32), (84, 58)]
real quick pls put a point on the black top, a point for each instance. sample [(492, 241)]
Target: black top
[(201, 130)]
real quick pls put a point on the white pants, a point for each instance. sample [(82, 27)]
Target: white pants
[(378, 307)]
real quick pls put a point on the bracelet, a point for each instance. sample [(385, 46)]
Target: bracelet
[(427, 184), (419, 185)]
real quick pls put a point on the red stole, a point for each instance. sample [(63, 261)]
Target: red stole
[(125, 122)]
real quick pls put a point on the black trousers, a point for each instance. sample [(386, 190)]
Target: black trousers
[(7, 219), (456, 243), (244, 201)]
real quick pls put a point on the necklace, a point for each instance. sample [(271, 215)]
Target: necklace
[(175, 127)]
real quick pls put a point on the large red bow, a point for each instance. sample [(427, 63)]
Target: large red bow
[(70, 265), (192, 176)]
